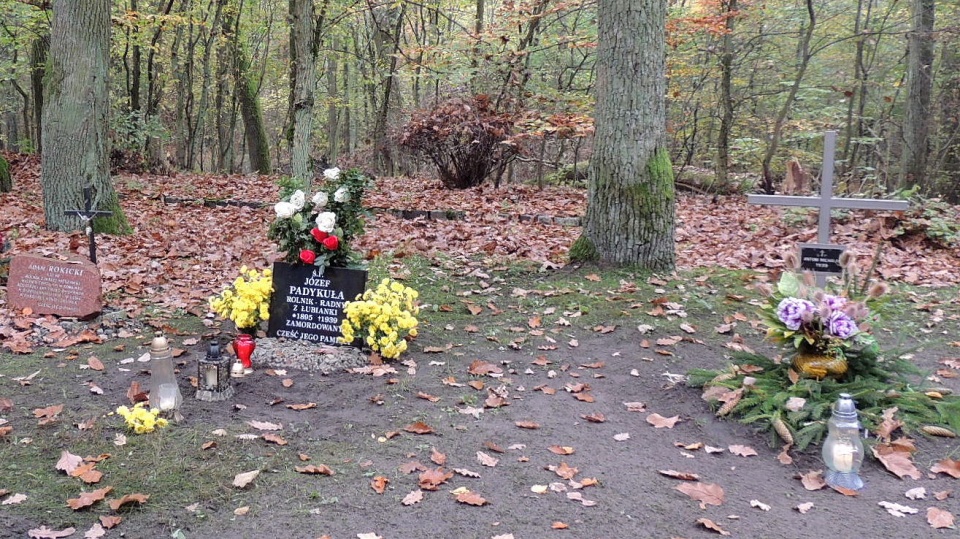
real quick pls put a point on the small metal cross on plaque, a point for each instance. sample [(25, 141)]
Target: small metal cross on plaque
[(87, 215), (826, 202)]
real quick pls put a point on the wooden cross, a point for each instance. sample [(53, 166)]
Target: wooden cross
[(87, 215), (826, 201)]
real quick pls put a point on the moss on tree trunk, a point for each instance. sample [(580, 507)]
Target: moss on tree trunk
[(6, 181)]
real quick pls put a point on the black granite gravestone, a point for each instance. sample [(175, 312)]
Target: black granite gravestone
[(308, 306)]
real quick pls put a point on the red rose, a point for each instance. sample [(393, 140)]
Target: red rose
[(331, 243), (308, 256), (318, 234)]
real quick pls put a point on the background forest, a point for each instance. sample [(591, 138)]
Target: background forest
[(220, 85)]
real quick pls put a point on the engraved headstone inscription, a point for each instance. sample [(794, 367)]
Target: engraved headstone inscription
[(308, 304), (70, 287)]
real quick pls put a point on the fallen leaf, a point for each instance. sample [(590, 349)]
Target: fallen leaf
[(948, 466), (14, 499), (813, 480), (287, 382), (471, 498), (804, 507), (136, 498), (312, 469), (413, 497), (48, 415), (135, 393), (275, 438), (711, 525), (564, 470), (379, 484), (486, 460), (44, 532), (527, 425), (432, 479), (95, 363), (479, 368), (87, 474), (917, 493), (561, 450), (942, 494), (109, 521), (896, 509), (87, 499), (705, 493), (938, 518), (759, 505), (437, 457), (241, 480), (305, 406), (622, 436), (896, 460), (419, 427), (240, 511), (742, 450), (659, 421), (68, 462), (595, 417), (686, 476), (427, 396), (263, 425)]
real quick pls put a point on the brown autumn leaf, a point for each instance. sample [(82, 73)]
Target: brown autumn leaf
[(437, 457), (584, 397), (427, 396), (846, 491), (742, 450), (304, 406), (44, 532), (595, 417), (705, 493), (558, 525), (535, 322), (68, 462), (275, 438), (471, 498), (136, 394), (94, 363), (948, 466), (938, 518), (208, 445), (492, 446), (241, 480), (659, 421), (136, 498), (109, 521), (87, 499), (896, 459), (264, 425), (561, 449), (466, 473), (379, 484), (287, 382), (813, 480), (711, 525), (48, 415), (411, 466), (419, 427), (486, 460), (477, 384), (593, 277), (432, 479), (5, 430), (312, 469), (5, 404), (686, 476), (532, 425), (413, 497), (87, 474), (564, 470), (480, 367)]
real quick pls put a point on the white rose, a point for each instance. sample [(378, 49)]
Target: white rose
[(298, 198), (342, 195), (285, 210), (320, 199), (331, 173), (326, 221)]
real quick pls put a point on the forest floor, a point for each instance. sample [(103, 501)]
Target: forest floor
[(538, 400)]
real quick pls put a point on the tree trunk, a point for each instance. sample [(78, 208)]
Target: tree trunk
[(916, 130), (630, 209), (804, 60), (949, 181), (302, 33), (75, 134), (255, 131), (726, 94), (39, 52), (333, 93)]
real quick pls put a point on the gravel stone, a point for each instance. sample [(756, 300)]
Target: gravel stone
[(302, 355)]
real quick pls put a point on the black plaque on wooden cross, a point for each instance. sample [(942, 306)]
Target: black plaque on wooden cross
[(821, 258), (87, 215), (308, 305)]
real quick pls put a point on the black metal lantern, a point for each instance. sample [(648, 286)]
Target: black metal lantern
[(213, 375)]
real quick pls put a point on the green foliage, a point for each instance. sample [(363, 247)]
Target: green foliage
[(584, 250), (876, 385), (931, 218)]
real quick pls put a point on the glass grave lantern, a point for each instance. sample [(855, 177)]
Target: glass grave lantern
[(164, 391), (843, 449), (213, 375)]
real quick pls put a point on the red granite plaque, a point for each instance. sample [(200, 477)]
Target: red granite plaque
[(70, 287)]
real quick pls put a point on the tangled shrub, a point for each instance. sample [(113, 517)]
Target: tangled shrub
[(467, 139)]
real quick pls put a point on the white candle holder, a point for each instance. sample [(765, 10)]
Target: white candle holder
[(843, 449)]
